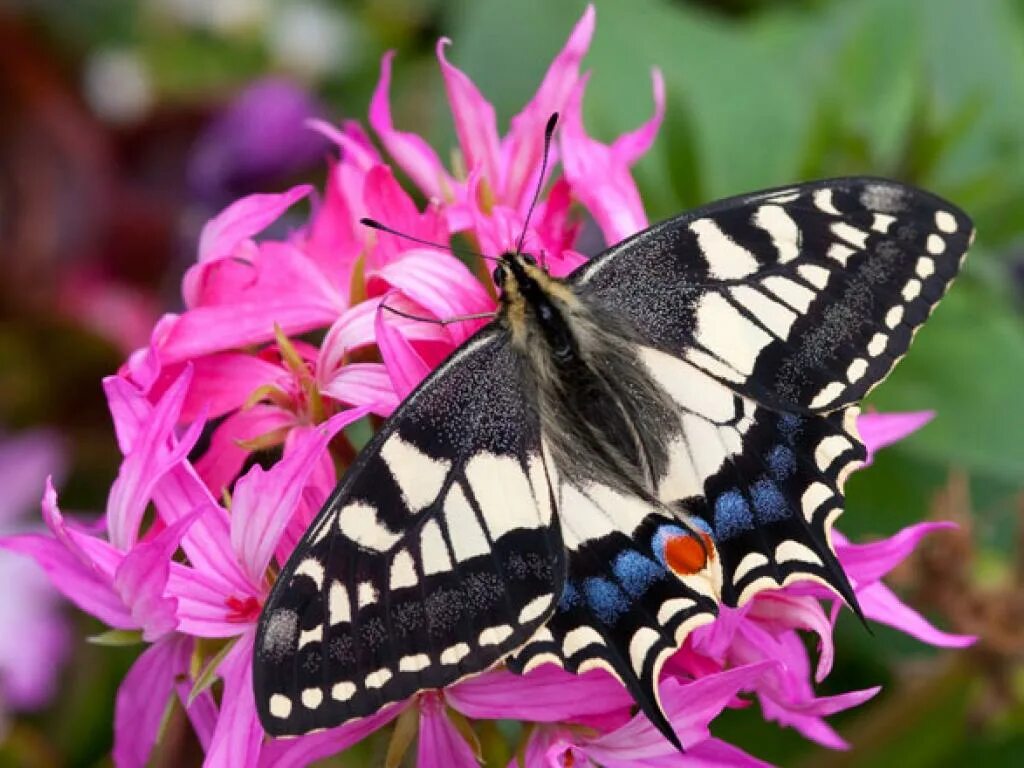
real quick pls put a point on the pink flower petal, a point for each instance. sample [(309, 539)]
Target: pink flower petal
[(882, 605), (475, 122), (388, 203), (364, 384), (878, 430), (238, 736), (689, 707), (867, 563), (440, 743), (243, 219), (149, 459), (203, 602), (141, 580), (303, 751), (405, 365), (412, 153), (524, 144), (791, 612), (599, 174), (264, 500), (223, 382), (142, 698), (547, 694), (224, 458)]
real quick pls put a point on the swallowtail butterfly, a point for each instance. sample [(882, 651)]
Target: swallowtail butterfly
[(587, 478)]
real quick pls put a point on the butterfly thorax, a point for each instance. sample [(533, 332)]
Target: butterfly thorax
[(603, 417)]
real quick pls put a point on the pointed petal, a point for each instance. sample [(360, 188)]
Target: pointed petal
[(303, 751), (236, 224), (599, 174), (364, 384), (867, 563), (440, 743), (264, 501), (141, 580), (547, 694), (202, 600), (224, 458), (882, 605), (475, 122), (238, 736), (878, 430), (524, 144), (142, 698), (223, 382), (788, 612), (405, 365), (413, 155)]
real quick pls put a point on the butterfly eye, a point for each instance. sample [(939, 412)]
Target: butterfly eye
[(499, 275), (529, 260)]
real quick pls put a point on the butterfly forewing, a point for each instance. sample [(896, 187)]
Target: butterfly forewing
[(437, 555), (802, 298)]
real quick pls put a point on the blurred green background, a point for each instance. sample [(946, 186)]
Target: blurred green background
[(108, 107)]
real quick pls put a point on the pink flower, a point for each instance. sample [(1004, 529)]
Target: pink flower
[(29, 609)]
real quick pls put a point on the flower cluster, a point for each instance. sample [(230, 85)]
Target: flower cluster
[(282, 345)]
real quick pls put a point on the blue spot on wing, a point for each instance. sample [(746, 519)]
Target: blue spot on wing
[(661, 537), (789, 426), (769, 503), (635, 572), (781, 461), (570, 597), (606, 600), (732, 515)]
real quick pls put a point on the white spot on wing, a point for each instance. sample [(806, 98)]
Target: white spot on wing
[(726, 259), (776, 317), (795, 295), (823, 199), (453, 654), (673, 607), (378, 679), (314, 635), (468, 539), (840, 253), (925, 267), (339, 609), (935, 245), (280, 706), (750, 562), (495, 635), (856, 370), (343, 691), (827, 450), (894, 316), (433, 550), (502, 489), (828, 394), (534, 609), (945, 221), (692, 389), (311, 569), (877, 344), (783, 230), (418, 475), (403, 570), (793, 550), (813, 274), (812, 499), (578, 639), (852, 235), (358, 522), (720, 327), (312, 698), (882, 222), (912, 289), (413, 663), (640, 645), (367, 594)]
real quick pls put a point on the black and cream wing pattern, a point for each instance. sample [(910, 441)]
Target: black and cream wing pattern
[(437, 554), (742, 335)]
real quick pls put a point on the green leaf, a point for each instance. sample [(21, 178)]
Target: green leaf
[(208, 676), (117, 638)]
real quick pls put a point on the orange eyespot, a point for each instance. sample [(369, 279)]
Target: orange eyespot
[(686, 556)]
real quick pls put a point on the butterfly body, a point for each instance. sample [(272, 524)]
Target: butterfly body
[(621, 451)]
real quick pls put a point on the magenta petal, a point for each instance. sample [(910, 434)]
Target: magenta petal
[(405, 365), (525, 141), (440, 744), (203, 602), (867, 563), (305, 750), (794, 612), (264, 500), (142, 698), (881, 604), (243, 219), (414, 155), (141, 580), (689, 707), (223, 382), (878, 430), (224, 458), (364, 384), (475, 122), (713, 753), (238, 736), (546, 694)]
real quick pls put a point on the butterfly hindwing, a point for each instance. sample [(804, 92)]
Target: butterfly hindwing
[(801, 298), (437, 555)]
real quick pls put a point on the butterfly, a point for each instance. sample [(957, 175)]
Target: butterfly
[(586, 479)]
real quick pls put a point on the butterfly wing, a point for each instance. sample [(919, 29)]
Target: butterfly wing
[(801, 298), (436, 555)]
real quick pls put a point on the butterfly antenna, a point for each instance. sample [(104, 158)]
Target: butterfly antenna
[(374, 224), (549, 129)]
